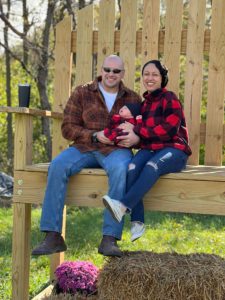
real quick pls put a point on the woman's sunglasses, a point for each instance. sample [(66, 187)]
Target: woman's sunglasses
[(114, 71)]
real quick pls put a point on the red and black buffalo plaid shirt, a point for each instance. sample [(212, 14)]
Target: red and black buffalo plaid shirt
[(163, 122), (86, 112)]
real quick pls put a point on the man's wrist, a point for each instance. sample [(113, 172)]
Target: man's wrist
[(94, 138)]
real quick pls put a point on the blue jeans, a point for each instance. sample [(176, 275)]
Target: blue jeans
[(144, 170), (70, 162)]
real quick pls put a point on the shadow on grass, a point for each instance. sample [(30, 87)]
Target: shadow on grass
[(84, 228), (84, 225), (189, 221)]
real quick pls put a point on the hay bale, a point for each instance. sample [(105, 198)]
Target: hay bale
[(165, 276), (69, 297)]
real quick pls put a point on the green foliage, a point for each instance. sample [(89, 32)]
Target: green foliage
[(165, 232), (18, 75)]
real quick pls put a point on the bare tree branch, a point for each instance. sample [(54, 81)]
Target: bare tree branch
[(6, 21), (19, 60), (71, 12)]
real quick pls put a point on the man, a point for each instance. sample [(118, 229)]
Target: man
[(87, 113)]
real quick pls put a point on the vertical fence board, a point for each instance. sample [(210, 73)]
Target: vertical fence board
[(63, 71), (193, 76), (172, 44), (216, 86), (150, 32), (128, 39), (106, 30), (62, 81), (84, 45)]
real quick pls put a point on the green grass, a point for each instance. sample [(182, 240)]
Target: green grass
[(166, 232)]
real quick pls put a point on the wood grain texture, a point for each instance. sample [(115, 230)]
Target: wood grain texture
[(62, 80), (198, 189), (21, 251), (106, 31), (194, 189), (128, 39), (216, 86), (193, 76), (84, 45), (172, 42), (139, 35), (150, 32)]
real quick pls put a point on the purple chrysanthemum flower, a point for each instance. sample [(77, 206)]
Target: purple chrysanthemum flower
[(77, 276)]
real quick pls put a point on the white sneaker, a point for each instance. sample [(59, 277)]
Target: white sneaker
[(116, 208), (137, 230)]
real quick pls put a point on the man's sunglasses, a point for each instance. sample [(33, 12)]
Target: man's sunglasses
[(114, 71)]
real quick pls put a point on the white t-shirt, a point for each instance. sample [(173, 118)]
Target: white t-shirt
[(109, 97)]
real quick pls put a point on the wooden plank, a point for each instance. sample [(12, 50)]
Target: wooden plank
[(31, 111), (84, 45), (23, 141), (21, 251), (187, 196), (139, 41), (150, 32), (193, 76), (128, 39), (62, 82), (216, 87), (173, 26), (47, 292), (200, 172), (169, 194), (106, 30)]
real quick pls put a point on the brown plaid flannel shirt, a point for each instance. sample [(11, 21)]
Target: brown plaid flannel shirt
[(86, 113)]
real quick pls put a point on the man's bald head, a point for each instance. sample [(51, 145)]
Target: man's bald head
[(114, 58)]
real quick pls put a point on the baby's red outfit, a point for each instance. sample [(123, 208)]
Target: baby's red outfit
[(112, 132)]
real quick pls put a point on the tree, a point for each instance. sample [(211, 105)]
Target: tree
[(35, 52), (8, 89)]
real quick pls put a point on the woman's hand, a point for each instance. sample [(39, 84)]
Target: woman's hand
[(126, 126), (128, 140)]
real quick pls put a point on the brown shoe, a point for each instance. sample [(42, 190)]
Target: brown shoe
[(108, 247), (52, 243)]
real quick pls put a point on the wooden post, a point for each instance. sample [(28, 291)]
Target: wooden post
[(21, 212)]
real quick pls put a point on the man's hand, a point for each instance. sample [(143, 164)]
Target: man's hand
[(103, 139), (128, 140)]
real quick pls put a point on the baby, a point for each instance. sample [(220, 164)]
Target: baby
[(130, 112)]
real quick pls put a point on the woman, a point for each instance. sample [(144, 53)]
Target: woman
[(163, 142)]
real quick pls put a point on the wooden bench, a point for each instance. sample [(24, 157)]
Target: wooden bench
[(198, 189)]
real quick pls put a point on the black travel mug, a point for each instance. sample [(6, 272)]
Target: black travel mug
[(24, 95)]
